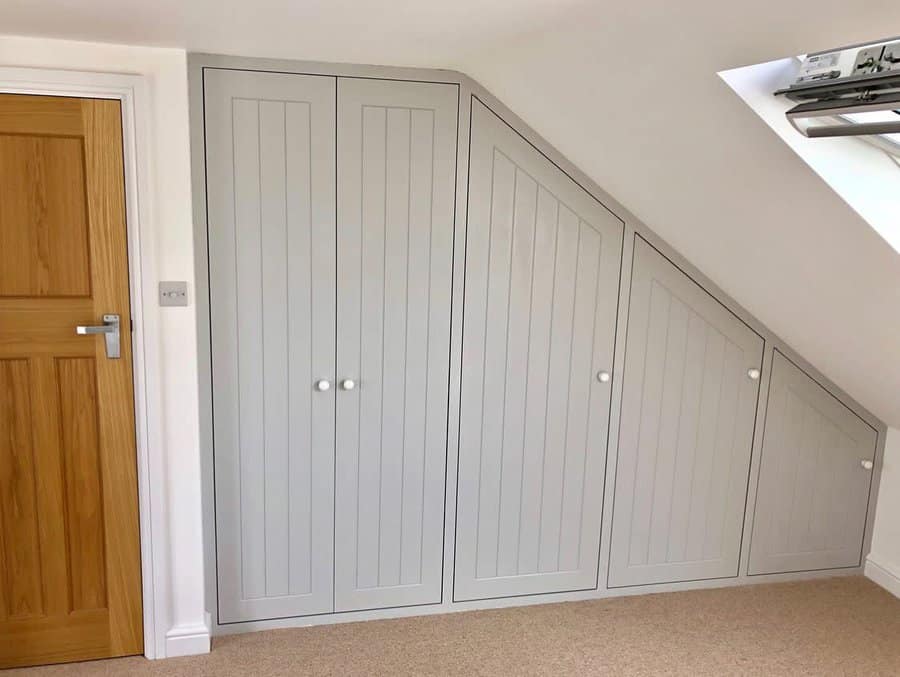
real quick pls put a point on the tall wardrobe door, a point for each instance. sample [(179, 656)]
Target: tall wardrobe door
[(686, 432), (542, 269), (271, 201), (815, 477), (396, 188)]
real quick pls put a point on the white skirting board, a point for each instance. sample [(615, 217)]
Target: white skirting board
[(887, 578), (188, 640)]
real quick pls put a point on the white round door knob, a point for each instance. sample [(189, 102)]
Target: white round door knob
[(323, 385), (866, 463), (753, 373), (603, 376), (348, 384)]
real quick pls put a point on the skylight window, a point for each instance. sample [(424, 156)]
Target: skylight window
[(824, 70), (863, 170), (891, 140)]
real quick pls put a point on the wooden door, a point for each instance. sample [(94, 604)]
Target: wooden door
[(70, 578), (271, 201), (686, 432), (542, 276), (396, 186), (815, 477)]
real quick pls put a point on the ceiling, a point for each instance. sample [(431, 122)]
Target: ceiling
[(629, 92)]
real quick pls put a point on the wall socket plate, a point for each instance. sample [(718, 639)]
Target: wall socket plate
[(173, 293)]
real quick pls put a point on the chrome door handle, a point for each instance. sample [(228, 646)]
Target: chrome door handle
[(110, 330), (348, 384)]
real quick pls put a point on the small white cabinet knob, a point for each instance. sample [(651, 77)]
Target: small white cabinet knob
[(753, 373), (348, 384), (323, 385), (603, 376), (866, 464)]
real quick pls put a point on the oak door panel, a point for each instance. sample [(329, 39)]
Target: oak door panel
[(45, 241)]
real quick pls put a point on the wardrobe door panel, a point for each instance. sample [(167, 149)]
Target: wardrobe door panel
[(271, 205), (396, 191), (542, 269), (686, 431), (815, 477)]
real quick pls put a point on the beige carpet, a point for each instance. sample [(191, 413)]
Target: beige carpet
[(842, 626)]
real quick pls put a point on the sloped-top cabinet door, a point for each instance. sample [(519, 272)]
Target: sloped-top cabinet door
[(686, 432), (396, 190), (815, 477), (271, 201), (543, 259)]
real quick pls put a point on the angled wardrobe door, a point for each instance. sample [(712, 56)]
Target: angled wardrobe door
[(543, 259), (688, 410), (271, 201), (814, 481), (396, 188)]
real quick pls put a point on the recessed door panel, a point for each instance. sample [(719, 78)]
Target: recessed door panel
[(542, 271), (271, 204), (686, 432), (815, 476), (396, 188)]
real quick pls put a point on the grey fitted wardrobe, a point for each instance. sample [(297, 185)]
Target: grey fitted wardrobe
[(445, 368), (330, 235)]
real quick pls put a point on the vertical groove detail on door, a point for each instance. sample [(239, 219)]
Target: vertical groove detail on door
[(270, 147), (813, 491), (396, 165), (542, 265), (686, 434)]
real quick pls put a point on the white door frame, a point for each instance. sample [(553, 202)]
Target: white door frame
[(132, 91)]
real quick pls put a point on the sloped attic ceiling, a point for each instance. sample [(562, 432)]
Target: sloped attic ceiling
[(629, 92)]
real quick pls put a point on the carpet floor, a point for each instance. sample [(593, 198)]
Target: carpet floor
[(838, 626)]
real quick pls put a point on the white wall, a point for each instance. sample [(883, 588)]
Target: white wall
[(171, 224), (883, 563)]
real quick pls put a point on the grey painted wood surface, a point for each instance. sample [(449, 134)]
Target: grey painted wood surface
[(542, 271), (813, 489), (396, 191), (686, 430), (271, 196)]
